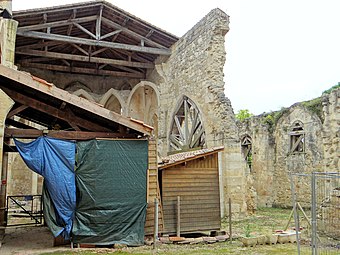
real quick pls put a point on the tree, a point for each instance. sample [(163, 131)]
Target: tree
[(243, 114)]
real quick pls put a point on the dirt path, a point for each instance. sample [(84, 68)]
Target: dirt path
[(27, 240)]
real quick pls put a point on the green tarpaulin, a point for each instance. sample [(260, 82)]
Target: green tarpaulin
[(111, 192)]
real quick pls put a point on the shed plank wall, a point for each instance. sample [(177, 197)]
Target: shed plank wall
[(197, 184)]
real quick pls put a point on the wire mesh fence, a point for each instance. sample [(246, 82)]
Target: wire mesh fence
[(316, 200)]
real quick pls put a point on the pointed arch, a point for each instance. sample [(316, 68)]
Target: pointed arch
[(186, 130), (77, 85), (113, 101), (143, 102), (84, 94), (247, 149)]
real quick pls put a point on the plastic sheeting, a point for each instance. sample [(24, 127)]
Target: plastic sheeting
[(111, 192), (54, 159)]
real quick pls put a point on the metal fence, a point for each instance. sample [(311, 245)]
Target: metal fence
[(316, 202), (24, 210)]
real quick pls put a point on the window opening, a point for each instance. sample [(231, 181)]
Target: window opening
[(297, 138), (187, 130), (246, 145)]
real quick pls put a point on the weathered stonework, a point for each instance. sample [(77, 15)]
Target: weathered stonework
[(273, 160), (195, 70)]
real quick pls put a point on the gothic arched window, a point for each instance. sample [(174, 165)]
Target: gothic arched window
[(297, 138), (186, 130), (246, 145)]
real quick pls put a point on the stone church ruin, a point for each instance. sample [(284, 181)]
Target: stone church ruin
[(93, 71)]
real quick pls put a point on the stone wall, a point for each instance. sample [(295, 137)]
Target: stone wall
[(272, 143), (195, 70)]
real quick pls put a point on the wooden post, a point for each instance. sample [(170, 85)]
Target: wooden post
[(155, 233), (178, 216), (3, 190), (230, 228)]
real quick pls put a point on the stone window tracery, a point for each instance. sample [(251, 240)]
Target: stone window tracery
[(186, 130), (297, 138), (246, 145)]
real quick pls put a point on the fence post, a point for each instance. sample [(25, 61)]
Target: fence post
[(155, 233), (178, 216), (296, 218), (314, 240)]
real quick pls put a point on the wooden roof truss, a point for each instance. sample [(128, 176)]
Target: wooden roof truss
[(92, 38)]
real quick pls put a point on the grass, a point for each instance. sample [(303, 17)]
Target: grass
[(265, 220)]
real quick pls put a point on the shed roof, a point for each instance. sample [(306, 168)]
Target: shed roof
[(179, 158), (92, 37), (45, 104)]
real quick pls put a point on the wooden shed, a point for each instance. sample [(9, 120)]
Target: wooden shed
[(193, 177)]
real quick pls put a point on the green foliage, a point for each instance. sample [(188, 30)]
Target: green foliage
[(272, 118), (328, 91), (315, 106), (247, 230), (243, 114)]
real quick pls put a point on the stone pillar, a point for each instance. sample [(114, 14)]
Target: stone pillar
[(8, 31), (6, 104)]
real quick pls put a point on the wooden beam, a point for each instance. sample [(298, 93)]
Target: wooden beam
[(69, 135), (73, 57), (132, 33), (73, 16), (84, 30), (99, 23), (60, 114), (70, 39), (30, 84), (80, 49), (16, 111), (110, 34), (72, 69), (56, 23), (17, 124), (38, 45), (98, 51)]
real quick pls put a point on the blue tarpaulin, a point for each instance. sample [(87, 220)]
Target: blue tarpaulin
[(54, 159)]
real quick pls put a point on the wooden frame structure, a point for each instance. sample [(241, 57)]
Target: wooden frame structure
[(92, 38), (42, 103)]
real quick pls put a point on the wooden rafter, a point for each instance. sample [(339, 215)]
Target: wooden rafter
[(17, 124), (99, 23), (58, 113), (131, 33), (83, 70), (74, 57), (70, 26), (90, 42), (73, 135), (56, 24), (47, 90), (16, 111)]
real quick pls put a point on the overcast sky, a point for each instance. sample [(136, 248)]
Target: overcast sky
[(278, 51)]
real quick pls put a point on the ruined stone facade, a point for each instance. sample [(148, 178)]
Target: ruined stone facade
[(301, 139), (194, 70)]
